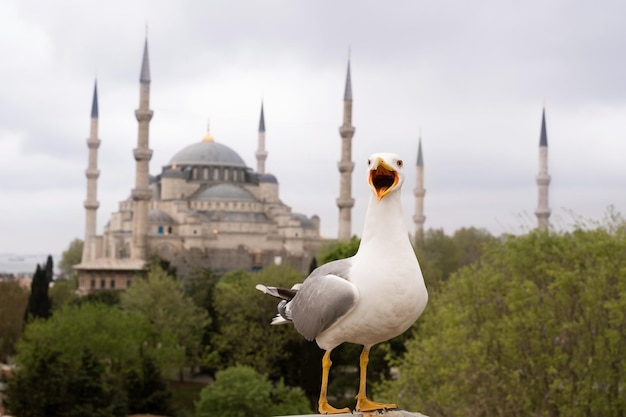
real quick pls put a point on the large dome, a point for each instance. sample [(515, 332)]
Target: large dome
[(208, 153)]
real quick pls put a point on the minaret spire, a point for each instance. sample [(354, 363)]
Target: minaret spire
[(92, 173), (419, 193), (141, 193), (144, 77), (261, 153), (543, 178), (345, 202)]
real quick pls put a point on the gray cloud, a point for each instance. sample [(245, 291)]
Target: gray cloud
[(471, 75)]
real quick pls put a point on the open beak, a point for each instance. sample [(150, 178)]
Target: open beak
[(383, 178)]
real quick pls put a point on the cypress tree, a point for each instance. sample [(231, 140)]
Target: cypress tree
[(39, 304)]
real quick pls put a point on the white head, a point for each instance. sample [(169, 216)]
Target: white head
[(385, 173)]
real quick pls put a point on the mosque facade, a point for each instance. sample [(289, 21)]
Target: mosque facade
[(206, 208)]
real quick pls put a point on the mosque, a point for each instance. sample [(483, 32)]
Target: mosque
[(208, 209)]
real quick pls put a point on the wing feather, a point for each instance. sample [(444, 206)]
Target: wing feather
[(320, 302)]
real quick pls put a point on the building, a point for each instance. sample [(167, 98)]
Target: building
[(205, 208), (543, 179)]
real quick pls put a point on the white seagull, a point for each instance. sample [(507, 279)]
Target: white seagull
[(368, 298)]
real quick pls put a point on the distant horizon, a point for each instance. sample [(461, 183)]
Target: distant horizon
[(27, 265)]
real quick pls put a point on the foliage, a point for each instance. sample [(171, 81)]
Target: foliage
[(441, 255), (146, 389), (245, 336), (70, 257), (107, 297), (13, 301), (62, 292), (240, 391), (39, 305), (200, 287), (177, 322), (537, 327), (89, 350), (339, 250), (55, 386), (113, 336)]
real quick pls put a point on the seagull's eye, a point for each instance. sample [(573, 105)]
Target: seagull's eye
[(369, 162), (399, 163)]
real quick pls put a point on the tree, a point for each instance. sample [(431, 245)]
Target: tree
[(200, 287), (54, 386), (70, 257), (240, 391), (49, 269), (339, 250), (113, 336), (146, 389), (13, 301), (441, 255), (177, 321), (537, 327), (39, 304), (84, 354), (245, 336), (62, 292)]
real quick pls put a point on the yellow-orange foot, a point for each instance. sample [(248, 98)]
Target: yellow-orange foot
[(325, 408), (363, 404)]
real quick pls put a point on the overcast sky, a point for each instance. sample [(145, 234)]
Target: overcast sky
[(472, 76)]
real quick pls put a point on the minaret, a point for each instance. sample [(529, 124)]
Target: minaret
[(543, 179), (345, 202), (261, 153), (419, 193), (141, 193), (92, 173)]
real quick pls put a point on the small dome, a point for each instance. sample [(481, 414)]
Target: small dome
[(268, 178), (303, 219), (172, 173), (224, 192), (159, 217), (208, 153)]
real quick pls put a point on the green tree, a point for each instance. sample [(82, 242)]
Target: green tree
[(39, 304), (537, 327), (70, 257), (84, 349), (245, 336), (441, 255), (92, 391), (339, 250), (13, 301), (177, 321), (146, 389), (241, 391), (200, 287), (108, 297), (63, 291), (54, 386), (114, 337)]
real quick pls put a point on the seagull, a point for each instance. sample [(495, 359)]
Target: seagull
[(366, 299)]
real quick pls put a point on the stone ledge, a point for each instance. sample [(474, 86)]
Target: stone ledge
[(389, 413)]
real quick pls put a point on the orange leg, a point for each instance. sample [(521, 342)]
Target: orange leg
[(362, 403), (323, 406)]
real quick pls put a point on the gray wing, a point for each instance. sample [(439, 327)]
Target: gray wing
[(340, 267), (325, 296)]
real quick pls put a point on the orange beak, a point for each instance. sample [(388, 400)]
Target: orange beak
[(383, 178)]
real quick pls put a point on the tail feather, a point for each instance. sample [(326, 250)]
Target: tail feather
[(278, 320), (285, 295), (282, 293)]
